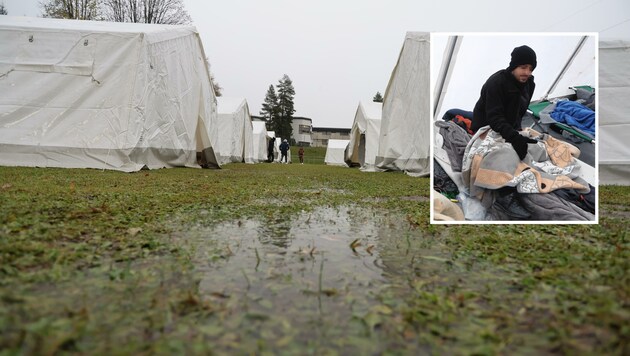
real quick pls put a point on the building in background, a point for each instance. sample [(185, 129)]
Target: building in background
[(304, 134), (302, 131), (321, 135)]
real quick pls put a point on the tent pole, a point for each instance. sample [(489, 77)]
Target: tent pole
[(565, 68), (446, 70)]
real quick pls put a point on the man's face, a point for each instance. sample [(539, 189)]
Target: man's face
[(523, 72)]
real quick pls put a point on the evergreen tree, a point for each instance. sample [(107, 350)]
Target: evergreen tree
[(378, 98), (3, 10), (270, 106), (286, 108)]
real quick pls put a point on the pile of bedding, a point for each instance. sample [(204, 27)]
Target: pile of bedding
[(547, 181)]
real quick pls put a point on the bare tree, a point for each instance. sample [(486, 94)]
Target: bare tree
[(170, 12), (3, 10), (71, 9)]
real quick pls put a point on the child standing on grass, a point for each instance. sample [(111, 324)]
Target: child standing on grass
[(301, 154)]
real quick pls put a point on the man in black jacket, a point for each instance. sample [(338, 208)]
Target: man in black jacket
[(505, 97), (503, 101)]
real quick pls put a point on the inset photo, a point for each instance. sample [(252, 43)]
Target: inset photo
[(514, 128)]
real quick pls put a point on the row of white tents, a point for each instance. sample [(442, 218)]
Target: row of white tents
[(87, 94), (126, 96)]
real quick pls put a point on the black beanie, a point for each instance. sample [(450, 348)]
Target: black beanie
[(522, 55)]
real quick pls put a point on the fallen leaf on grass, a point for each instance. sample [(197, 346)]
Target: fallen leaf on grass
[(354, 244), (220, 295), (381, 309), (133, 231)]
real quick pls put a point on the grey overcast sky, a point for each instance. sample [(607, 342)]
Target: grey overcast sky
[(340, 52)]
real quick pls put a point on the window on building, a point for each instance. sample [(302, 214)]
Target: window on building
[(305, 129)]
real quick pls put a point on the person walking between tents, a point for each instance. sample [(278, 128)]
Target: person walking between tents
[(284, 149), (301, 154), (504, 99), (270, 147)]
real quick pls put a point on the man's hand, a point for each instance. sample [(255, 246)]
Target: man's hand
[(519, 142)]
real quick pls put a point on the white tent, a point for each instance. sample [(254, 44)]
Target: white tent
[(463, 62), (88, 94), (259, 132), (335, 152), (235, 131), (363, 145), (404, 134), (614, 106)]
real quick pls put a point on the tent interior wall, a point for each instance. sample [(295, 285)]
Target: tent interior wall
[(478, 56), (92, 94)]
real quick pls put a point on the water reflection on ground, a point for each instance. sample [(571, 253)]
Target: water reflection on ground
[(332, 279), (286, 264), (313, 277)]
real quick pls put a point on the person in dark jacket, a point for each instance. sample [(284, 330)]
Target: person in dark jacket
[(505, 97), (284, 149), (271, 145), (503, 101)]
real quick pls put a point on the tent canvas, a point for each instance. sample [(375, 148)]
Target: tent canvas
[(259, 141), (404, 134), (363, 146), (235, 131), (92, 94), (614, 106), (335, 152)]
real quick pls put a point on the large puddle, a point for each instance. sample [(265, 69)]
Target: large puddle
[(306, 278), (333, 280), (327, 277)]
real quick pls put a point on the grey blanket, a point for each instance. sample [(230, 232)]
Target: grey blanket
[(455, 141), (546, 207)]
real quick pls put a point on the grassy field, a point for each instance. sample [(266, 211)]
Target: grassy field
[(295, 259)]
